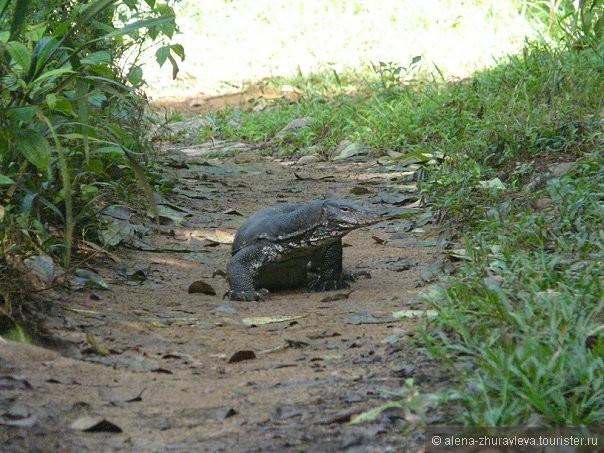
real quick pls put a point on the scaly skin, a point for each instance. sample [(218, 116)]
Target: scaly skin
[(277, 247)]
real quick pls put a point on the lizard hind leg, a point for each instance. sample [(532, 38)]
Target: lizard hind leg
[(328, 265)]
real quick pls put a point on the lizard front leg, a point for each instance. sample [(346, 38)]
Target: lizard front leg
[(242, 272)]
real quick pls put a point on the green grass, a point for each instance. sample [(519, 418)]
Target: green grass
[(528, 305), (526, 311)]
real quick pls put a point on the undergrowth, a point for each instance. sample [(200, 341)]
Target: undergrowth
[(526, 310), (72, 116)]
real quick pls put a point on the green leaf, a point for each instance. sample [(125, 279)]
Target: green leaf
[(372, 414), (100, 57), (18, 335), (115, 150), (51, 100), (64, 106), (24, 114), (36, 32), (18, 17), (91, 11), (5, 180), (19, 53), (44, 50), (178, 50), (71, 136), (494, 183), (143, 23), (414, 157), (34, 147), (56, 73), (135, 77), (97, 99), (162, 54)]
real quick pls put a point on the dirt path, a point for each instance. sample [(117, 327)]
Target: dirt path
[(166, 381)]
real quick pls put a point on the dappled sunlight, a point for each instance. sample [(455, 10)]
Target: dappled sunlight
[(229, 44)]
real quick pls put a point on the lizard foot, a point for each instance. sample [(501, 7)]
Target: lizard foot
[(248, 295), (321, 284), (352, 276)]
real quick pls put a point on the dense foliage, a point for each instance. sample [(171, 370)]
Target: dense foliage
[(71, 114)]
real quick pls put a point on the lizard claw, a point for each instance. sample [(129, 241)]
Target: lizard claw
[(326, 285), (352, 276), (248, 295)]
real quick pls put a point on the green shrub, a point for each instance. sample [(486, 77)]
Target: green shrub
[(70, 110)]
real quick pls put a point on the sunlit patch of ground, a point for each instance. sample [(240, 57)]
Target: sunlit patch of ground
[(230, 43)]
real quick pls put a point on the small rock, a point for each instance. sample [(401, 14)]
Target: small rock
[(560, 169), (543, 203), (234, 123), (538, 182), (18, 410), (202, 287), (350, 151), (191, 125), (341, 147), (404, 371), (293, 125), (228, 309), (360, 190), (42, 267), (393, 154), (246, 157), (305, 160)]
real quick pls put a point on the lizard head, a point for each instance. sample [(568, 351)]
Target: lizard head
[(344, 215)]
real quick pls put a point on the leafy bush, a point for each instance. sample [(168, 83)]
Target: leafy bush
[(71, 114)]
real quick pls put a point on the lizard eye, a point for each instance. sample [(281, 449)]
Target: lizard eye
[(344, 209)]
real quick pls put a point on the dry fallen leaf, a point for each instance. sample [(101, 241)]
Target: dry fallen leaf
[(378, 239), (414, 313), (22, 422), (232, 212), (240, 356), (217, 236), (95, 424), (261, 320), (98, 349)]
